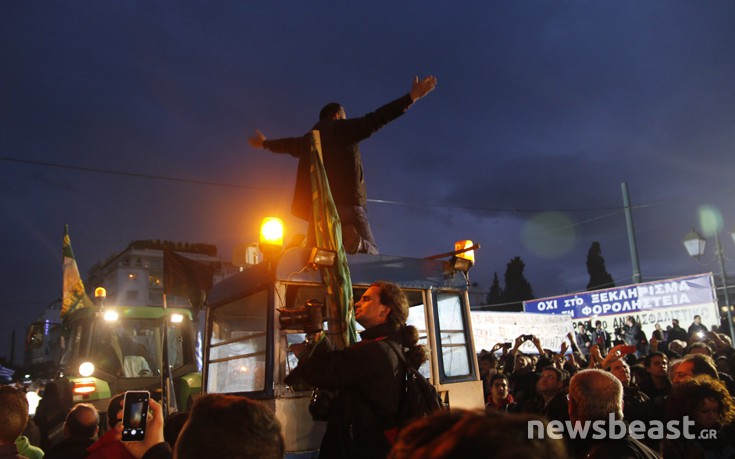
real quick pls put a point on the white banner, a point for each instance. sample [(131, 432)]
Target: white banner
[(491, 328), (654, 302)]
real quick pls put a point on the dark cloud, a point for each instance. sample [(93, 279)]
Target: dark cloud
[(541, 106)]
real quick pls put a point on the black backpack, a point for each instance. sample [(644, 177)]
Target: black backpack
[(420, 398)]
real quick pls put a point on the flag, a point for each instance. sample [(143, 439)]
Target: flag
[(328, 232), (73, 294), (186, 278)]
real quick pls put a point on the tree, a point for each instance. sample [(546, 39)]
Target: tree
[(495, 295), (517, 288), (599, 277)]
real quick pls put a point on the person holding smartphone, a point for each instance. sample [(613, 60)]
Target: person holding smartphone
[(109, 445), (135, 415), (218, 426)]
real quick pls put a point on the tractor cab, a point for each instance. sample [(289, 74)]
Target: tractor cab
[(247, 349)]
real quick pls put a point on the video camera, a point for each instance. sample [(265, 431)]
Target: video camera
[(308, 318)]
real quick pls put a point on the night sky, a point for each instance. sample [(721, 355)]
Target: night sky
[(129, 120)]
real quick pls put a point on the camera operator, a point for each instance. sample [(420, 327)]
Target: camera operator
[(367, 377)]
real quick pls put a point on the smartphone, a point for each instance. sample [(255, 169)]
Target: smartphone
[(627, 349), (135, 414)]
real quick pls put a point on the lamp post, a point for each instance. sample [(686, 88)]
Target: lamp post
[(695, 244)]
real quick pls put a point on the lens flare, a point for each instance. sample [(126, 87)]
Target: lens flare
[(710, 220), (549, 234)]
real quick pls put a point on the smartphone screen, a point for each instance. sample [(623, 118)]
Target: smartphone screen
[(135, 415)]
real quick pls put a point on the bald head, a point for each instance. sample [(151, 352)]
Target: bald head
[(593, 395), (82, 421)]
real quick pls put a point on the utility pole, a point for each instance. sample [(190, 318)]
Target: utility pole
[(631, 235)]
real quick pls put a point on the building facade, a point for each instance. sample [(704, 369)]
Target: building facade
[(134, 276)]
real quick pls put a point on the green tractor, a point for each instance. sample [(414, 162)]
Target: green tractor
[(110, 350)]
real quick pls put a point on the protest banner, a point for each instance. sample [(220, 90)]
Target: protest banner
[(491, 328), (649, 303)]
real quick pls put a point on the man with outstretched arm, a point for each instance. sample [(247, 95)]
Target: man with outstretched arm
[(340, 137)]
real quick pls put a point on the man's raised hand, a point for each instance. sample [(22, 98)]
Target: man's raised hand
[(257, 140), (422, 87)]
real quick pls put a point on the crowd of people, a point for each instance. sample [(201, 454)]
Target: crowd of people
[(662, 382), (217, 426), (672, 375)]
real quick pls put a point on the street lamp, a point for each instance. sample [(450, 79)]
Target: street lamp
[(695, 244)]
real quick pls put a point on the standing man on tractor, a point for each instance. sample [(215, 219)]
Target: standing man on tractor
[(339, 138)]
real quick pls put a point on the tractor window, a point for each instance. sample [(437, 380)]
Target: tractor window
[(72, 347), (237, 347), (176, 338), (453, 342), (129, 348), (417, 318)]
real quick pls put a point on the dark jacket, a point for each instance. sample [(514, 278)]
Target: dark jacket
[(624, 448), (677, 333), (69, 448), (367, 378), (50, 413), (523, 387), (583, 342), (695, 328), (341, 155), (159, 451), (634, 336), (556, 410), (722, 446), (657, 396), (637, 406)]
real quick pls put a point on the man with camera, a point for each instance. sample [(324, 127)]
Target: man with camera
[(367, 376)]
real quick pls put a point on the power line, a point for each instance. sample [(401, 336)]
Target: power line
[(135, 174), (494, 209), (247, 187)]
